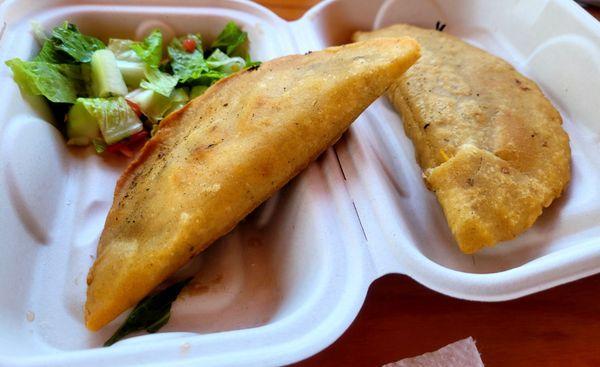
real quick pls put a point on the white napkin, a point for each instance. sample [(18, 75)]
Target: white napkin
[(462, 353)]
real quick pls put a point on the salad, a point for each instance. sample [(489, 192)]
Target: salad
[(114, 96)]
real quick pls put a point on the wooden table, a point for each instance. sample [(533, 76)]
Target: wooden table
[(400, 318)]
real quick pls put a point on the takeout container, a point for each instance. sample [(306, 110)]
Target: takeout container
[(291, 278)]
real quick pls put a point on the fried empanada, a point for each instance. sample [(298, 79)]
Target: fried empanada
[(490, 144), (223, 154)]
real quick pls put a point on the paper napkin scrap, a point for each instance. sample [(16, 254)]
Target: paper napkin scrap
[(462, 353)]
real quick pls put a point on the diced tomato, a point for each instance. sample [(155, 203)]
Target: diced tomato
[(126, 152), (137, 137), (120, 148), (135, 107), (127, 146), (189, 45)]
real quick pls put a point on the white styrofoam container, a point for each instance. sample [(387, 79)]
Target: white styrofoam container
[(291, 278)]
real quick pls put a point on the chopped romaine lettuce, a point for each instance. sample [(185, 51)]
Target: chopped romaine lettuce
[(159, 82), (58, 82), (192, 68), (230, 38), (79, 47), (150, 50), (179, 98), (49, 53), (99, 145), (86, 77), (220, 61), (187, 66), (114, 117), (210, 77), (250, 63), (122, 50)]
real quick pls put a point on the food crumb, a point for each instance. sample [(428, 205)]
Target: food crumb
[(30, 316), (185, 347)]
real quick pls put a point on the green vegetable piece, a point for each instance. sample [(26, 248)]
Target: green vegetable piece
[(114, 117), (79, 47), (99, 145), (250, 63), (150, 50), (180, 95), (219, 61), (187, 66), (197, 90), (86, 77), (131, 66), (179, 98), (107, 80), (133, 72), (161, 83), (51, 54), (230, 38), (210, 77), (152, 104), (59, 83), (82, 127), (150, 314), (122, 49)]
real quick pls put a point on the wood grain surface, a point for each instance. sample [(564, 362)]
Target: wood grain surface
[(400, 318)]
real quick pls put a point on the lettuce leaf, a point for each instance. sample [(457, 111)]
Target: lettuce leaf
[(187, 66), (79, 47), (58, 82), (219, 61), (49, 53), (230, 38), (115, 118), (210, 77), (150, 50), (179, 98), (161, 83), (193, 69), (150, 314), (122, 48)]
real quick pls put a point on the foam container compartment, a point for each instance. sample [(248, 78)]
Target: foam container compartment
[(291, 278)]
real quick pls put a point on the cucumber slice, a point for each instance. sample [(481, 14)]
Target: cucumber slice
[(111, 117), (131, 66), (82, 127), (132, 72), (152, 104), (107, 80)]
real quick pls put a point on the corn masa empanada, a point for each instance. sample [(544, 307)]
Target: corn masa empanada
[(223, 154), (490, 144)]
